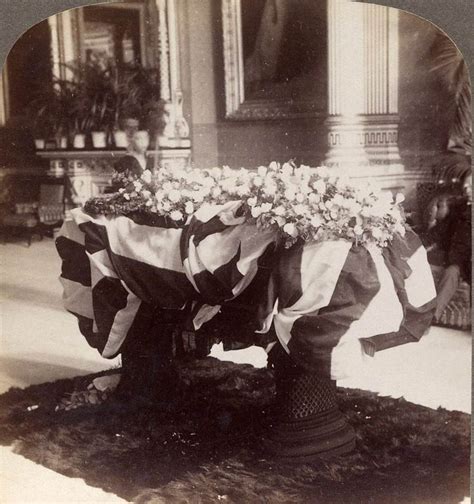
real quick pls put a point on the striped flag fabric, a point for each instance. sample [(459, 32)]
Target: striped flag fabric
[(335, 303), (329, 303)]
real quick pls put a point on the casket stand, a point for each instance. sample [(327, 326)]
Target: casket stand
[(323, 306)]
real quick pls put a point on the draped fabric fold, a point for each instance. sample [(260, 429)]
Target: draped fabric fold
[(327, 303)]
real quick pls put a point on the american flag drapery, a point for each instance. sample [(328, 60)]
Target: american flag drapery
[(330, 303)]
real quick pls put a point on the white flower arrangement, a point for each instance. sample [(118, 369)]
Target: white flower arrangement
[(301, 203)]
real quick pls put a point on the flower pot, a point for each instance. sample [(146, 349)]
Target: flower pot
[(62, 142), (40, 143), (99, 139), (141, 141), (79, 141), (120, 139)]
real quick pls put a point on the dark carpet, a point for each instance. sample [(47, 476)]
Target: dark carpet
[(204, 447)]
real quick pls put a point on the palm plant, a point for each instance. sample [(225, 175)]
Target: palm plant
[(139, 94), (451, 69)]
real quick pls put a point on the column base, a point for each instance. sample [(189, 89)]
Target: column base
[(364, 146)]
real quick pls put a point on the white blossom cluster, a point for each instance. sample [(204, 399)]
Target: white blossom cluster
[(310, 204)]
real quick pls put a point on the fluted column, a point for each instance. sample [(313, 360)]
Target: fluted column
[(363, 88)]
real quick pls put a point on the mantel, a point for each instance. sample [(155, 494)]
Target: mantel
[(107, 154), (89, 172)]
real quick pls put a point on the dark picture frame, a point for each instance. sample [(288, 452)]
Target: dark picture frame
[(275, 58)]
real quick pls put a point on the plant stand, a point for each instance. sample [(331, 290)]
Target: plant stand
[(306, 423)]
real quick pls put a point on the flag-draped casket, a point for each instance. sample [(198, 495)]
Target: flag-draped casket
[(329, 303)]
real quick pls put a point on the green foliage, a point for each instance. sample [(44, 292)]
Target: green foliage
[(95, 96)]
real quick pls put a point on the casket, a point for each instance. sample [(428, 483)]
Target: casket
[(329, 304)]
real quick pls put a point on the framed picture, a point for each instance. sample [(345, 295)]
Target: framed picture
[(275, 58)]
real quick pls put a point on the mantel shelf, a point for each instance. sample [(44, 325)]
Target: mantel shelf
[(91, 154)]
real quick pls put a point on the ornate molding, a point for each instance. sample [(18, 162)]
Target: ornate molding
[(233, 59), (163, 50)]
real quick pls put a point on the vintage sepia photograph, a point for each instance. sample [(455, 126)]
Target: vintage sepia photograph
[(235, 255)]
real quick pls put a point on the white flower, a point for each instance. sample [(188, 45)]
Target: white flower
[(270, 188), (280, 221), (126, 196), (174, 195), (146, 176), (399, 198), (274, 166), (262, 171), (216, 191), (353, 206), (197, 196), (279, 210), (167, 186), (287, 170), (257, 181), (319, 186), (365, 212), (358, 230), (216, 172), (252, 201), (189, 207), (176, 215), (290, 229), (338, 200), (256, 211), (316, 221), (300, 198), (299, 209), (314, 198), (138, 185), (290, 194), (241, 190), (266, 207), (208, 182), (376, 233), (146, 194), (166, 206)]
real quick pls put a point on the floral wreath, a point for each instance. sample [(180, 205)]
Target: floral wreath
[(301, 203)]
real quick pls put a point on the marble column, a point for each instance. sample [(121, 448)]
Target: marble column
[(363, 89)]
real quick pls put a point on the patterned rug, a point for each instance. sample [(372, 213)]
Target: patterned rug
[(204, 446)]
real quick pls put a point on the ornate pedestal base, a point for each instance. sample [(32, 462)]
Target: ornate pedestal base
[(307, 424)]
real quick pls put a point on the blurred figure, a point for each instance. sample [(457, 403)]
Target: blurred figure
[(135, 161), (449, 230)]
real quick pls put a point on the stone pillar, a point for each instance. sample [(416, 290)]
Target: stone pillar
[(363, 89)]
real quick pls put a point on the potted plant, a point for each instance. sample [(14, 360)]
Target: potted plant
[(138, 104), (81, 120), (101, 85), (42, 109)]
